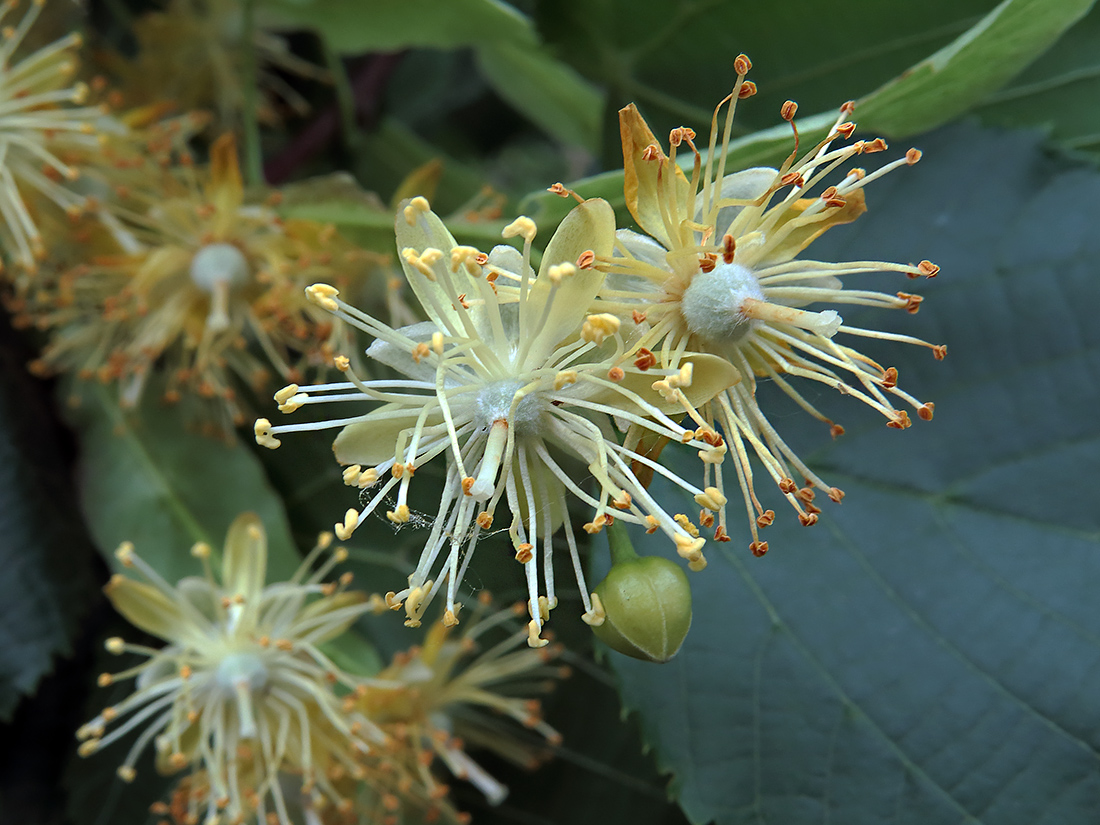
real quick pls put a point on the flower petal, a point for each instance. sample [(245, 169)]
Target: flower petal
[(590, 227), (244, 561), (647, 196), (372, 439), (746, 185), (428, 231), (400, 358), (320, 631), (801, 236), (710, 375), (147, 608)]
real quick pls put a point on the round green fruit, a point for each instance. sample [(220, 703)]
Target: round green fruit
[(647, 602)]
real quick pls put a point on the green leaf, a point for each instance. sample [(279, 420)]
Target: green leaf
[(928, 93), (949, 82), (928, 652), (45, 555), (550, 93), (147, 477), (525, 74), (357, 26), (1056, 89)]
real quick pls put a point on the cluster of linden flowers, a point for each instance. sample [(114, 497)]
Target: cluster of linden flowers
[(268, 728), (136, 260), (535, 386)]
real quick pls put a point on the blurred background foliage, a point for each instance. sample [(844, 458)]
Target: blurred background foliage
[(928, 654)]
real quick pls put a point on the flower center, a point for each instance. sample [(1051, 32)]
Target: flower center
[(494, 403), (216, 269), (219, 263), (237, 668), (711, 304)]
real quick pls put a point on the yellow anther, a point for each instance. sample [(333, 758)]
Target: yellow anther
[(286, 393), (544, 608), (688, 547), (597, 615), (324, 296), (400, 515), (351, 521), (685, 522), (341, 362), (125, 554), (533, 638), (126, 773), (651, 524), (414, 260), (437, 343), (351, 475), (415, 208), (522, 226), (714, 455), (564, 377), (324, 539), (559, 271), (88, 748), (392, 602), (711, 498), (466, 256), (695, 565), (449, 618), (622, 502), (115, 645), (598, 327), (340, 555), (201, 550), (293, 403)]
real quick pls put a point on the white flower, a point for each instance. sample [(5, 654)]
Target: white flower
[(719, 273), (511, 372)]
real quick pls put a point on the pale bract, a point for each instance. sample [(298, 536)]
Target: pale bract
[(514, 383), (718, 272)]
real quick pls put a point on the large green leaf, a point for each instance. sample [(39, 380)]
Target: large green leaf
[(149, 478), (1056, 90), (931, 91), (929, 652), (510, 55), (44, 553)]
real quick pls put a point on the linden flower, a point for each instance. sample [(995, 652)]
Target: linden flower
[(510, 369), (192, 53), (191, 273), (242, 692), (473, 689), (41, 117), (720, 274)]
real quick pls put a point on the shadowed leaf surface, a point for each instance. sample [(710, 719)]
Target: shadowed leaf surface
[(928, 653)]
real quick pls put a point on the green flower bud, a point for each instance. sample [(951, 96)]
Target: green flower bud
[(646, 603)]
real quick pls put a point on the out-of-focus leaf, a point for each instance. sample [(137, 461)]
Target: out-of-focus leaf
[(550, 93), (928, 653), (147, 477), (930, 92), (527, 75), (1056, 91), (45, 555), (949, 82), (356, 26)]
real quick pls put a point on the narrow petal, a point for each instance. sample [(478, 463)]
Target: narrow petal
[(802, 236), (589, 227), (146, 607), (372, 440), (244, 562), (640, 185)]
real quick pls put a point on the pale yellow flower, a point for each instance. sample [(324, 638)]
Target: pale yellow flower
[(719, 273), (511, 373), (42, 119), (196, 280), (242, 694)]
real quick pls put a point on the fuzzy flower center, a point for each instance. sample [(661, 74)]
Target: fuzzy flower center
[(712, 303), (216, 269), (494, 403)]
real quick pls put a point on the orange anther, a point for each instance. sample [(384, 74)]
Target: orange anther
[(787, 110), (928, 269), (741, 64), (759, 548), (890, 378), (765, 519), (924, 411), (807, 519), (645, 360), (912, 302), (748, 89)]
